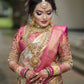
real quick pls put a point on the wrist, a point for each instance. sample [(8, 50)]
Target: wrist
[(18, 70), (57, 69), (26, 72), (21, 71), (54, 70), (47, 71), (50, 70)]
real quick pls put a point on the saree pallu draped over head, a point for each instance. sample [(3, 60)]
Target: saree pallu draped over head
[(48, 52)]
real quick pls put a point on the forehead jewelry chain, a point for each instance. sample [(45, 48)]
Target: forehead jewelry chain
[(44, 4)]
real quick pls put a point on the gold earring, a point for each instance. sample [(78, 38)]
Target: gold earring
[(32, 22), (51, 22)]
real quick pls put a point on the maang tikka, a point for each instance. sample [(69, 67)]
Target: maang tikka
[(44, 4)]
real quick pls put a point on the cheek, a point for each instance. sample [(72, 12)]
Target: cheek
[(37, 17), (50, 17)]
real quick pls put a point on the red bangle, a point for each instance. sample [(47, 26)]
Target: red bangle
[(22, 72), (52, 69)]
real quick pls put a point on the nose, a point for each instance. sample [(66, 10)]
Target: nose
[(44, 17)]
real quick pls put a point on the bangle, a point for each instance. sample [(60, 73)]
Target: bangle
[(60, 69), (57, 69), (26, 72), (22, 72), (52, 70), (18, 70), (48, 71)]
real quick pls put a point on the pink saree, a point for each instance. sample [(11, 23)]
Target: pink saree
[(48, 53)]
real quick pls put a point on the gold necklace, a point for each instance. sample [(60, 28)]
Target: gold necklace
[(35, 60), (37, 28)]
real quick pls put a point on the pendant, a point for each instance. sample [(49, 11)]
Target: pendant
[(35, 62)]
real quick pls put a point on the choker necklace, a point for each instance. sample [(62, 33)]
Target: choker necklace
[(37, 28)]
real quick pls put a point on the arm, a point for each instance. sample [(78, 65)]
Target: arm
[(65, 54), (14, 54), (66, 61), (14, 58), (66, 58)]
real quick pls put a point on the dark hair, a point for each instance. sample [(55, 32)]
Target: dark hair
[(32, 4)]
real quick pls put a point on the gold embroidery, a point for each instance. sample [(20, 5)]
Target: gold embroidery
[(38, 44), (56, 70), (14, 53)]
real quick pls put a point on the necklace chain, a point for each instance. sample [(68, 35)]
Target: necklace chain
[(35, 60)]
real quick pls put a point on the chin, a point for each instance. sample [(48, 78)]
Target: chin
[(44, 25)]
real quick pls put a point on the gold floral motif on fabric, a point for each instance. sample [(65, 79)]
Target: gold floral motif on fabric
[(35, 48)]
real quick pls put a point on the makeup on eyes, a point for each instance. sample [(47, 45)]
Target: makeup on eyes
[(38, 12), (49, 12)]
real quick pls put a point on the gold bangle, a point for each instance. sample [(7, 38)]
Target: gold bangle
[(56, 70)]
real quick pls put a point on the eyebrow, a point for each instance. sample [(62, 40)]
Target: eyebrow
[(42, 11), (49, 10), (39, 10)]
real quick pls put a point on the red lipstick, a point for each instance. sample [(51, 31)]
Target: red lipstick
[(44, 22)]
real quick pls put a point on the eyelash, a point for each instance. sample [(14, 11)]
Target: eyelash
[(48, 13), (38, 13)]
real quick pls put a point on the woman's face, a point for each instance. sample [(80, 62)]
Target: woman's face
[(43, 16)]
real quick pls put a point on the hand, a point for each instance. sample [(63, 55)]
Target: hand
[(40, 78), (30, 74)]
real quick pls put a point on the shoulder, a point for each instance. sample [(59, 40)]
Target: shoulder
[(60, 27), (20, 30), (64, 29)]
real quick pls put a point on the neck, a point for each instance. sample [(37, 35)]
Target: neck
[(37, 28)]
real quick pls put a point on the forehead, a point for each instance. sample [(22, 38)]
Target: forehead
[(38, 7)]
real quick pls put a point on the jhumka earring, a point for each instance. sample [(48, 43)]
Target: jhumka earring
[(32, 22)]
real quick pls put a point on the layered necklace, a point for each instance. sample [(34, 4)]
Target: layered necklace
[(38, 45)]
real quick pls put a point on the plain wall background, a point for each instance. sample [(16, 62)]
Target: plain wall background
[(70, 13)]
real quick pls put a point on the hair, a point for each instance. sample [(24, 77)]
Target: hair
[(32, 4)]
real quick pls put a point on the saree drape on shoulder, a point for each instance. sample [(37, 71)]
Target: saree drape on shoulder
[(55, 46)]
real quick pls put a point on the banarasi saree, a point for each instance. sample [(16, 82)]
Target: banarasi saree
[(56, 51)]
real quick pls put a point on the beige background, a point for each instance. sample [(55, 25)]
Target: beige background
[(70, 13)]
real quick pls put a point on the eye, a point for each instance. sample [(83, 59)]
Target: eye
[(49, 13), (38, 13)]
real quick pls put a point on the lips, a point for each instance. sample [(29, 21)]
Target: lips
[(44, 22)]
